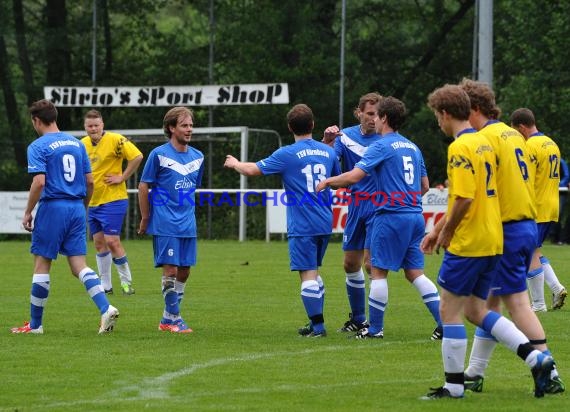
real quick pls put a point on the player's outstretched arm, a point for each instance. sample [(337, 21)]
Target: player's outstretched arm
[(243, 168)]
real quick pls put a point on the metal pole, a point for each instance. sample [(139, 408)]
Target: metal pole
[(474, 60), (243, 186), (94, 45), (210, 113), (341, 80), (485, 67)]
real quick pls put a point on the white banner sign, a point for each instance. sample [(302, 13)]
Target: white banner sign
[(151, 96), (434, 204), (12, 208)]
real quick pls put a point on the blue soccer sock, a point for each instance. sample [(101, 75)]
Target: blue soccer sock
[(312, 300), (377, 302), (429, 295), (93, 286), (170, 296), (38, 298), (322, 292), (356, 292)]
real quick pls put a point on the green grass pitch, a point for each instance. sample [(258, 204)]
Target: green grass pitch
[(244, 306)]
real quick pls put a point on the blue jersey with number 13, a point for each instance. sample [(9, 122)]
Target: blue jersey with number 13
[(302, 166)]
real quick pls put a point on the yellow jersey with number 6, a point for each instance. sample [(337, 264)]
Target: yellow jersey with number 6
[(514, 183)]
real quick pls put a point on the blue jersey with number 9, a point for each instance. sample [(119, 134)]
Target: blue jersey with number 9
[(63, 160)]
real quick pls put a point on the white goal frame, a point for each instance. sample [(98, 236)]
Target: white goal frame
[(142, 135)]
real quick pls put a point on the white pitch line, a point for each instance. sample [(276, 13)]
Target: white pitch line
[(157, 387)]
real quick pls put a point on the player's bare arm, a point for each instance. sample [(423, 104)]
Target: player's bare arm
[(460, 208), (330, 134), (343, 180), (38, 183), (243, 168)]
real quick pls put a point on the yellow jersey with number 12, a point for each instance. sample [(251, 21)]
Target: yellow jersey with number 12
[(545, 175)]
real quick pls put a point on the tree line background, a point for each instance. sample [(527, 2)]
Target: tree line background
[(402, 48)]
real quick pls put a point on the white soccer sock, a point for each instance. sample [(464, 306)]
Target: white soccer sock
[(122, 265), (481, 352), (104, 268), (507, 333), (179, 288), (535, 280), (551, 279)]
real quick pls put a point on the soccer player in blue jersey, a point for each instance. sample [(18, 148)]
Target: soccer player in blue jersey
[(350, 144), (472, 235), (62, 184), (518, 214), (400, 179), (173, 171), (302, 166)]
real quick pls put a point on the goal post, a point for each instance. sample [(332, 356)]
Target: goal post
[(199, 134)]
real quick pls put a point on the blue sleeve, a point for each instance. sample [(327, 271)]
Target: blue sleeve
[(338, 148), (423, 166), (199, 177), (273, 164), (150, 169), (564, 173), (86, 162), (372, 158), (336, 168), (36, 160)]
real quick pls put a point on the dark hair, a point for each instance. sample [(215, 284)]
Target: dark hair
[(93, 114), (394, 110), (482, 98), (451, 98), (523, 116), (44, 110), (171, 118), (300, 119), (372, 98)]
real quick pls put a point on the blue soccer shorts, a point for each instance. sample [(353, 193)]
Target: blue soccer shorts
[(59, 227), (175, 251), (108, 218), (307, 252), (543, 229), (520, 242), (359, 225), (465, 276), (396, 239)]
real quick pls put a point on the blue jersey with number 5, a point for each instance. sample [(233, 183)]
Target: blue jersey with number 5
[(302, 166), (63, 160), (397, 165)]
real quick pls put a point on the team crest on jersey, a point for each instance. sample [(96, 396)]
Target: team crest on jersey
[(460, 162)]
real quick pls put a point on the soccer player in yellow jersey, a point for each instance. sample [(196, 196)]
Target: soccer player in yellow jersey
[(518, 213), (545, 167), (107, 151), (471, 232)]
